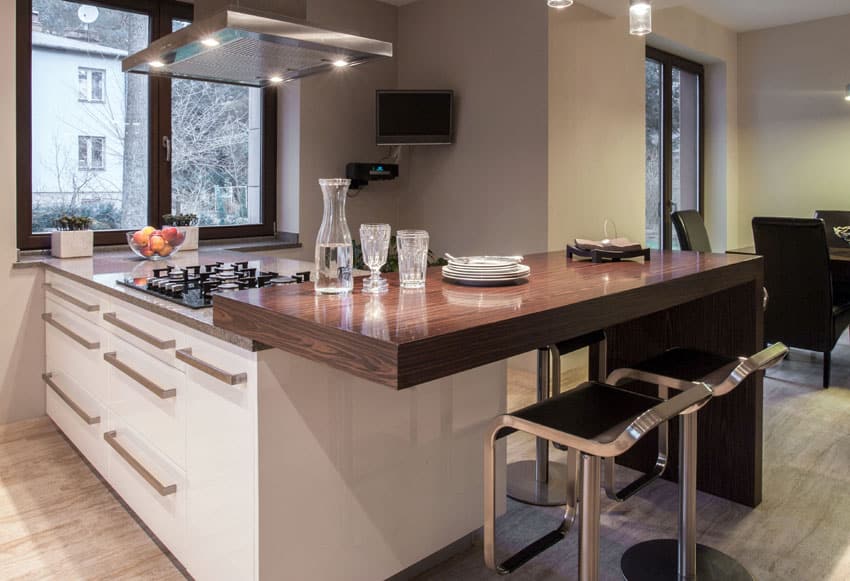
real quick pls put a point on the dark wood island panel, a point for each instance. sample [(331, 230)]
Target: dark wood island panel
[(406, 338)]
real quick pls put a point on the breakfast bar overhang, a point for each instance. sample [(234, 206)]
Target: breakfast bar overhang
[(443, 348)]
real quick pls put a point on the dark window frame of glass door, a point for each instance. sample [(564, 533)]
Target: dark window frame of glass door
[(668, 62)]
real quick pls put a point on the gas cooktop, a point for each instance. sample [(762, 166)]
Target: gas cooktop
[(195, 286)]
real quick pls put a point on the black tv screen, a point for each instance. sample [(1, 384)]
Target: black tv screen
[(414, 117)]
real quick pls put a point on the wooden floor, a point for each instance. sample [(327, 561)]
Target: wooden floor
[(59, 521)]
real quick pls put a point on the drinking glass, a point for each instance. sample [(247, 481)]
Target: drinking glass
[(375, 241), (412, 257)]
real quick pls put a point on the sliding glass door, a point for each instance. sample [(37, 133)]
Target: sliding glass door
[(674, 143)]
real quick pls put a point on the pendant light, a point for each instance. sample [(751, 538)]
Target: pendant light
[(640, 17), (559, 3)]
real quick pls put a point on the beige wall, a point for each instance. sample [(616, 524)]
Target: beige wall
[(597, 121), (596, 126), (795, 124), (21, 297), (487, 192), (336, 115)]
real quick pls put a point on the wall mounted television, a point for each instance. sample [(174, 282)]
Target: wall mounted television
[(415, 117)]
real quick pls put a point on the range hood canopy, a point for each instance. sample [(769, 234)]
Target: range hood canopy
[(254, 48)]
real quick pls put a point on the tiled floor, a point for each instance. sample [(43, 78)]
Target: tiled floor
[(58, 521)]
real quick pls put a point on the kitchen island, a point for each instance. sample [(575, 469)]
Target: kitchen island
[(354, 346), (286, 435)]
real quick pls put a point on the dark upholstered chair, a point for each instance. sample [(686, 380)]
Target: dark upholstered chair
[(831, 219), (802, 312), (690, 229)]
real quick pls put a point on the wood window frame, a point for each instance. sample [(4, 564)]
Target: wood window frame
[(668, 61), (161, 13)]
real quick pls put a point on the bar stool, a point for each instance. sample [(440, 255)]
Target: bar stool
[(540, 482), (596, 421), (684, 558)]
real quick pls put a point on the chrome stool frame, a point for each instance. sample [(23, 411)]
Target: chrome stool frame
[(632, 416), (540, 482), (683, 558)]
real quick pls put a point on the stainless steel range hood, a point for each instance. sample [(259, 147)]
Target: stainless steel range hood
[(241, 45)]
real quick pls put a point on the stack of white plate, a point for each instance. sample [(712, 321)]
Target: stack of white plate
[(486, 270)]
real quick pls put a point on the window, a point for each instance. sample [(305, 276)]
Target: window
[(91, 84), (90, 152), (150, 146), (674, 143)]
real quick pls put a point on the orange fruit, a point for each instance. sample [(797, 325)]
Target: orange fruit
[(156, 243)]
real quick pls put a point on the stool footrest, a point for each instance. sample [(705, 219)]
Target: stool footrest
[(522, 557), (632, 488)]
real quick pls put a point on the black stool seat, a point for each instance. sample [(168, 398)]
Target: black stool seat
[(597, 421), (689, 365), (594, 411)]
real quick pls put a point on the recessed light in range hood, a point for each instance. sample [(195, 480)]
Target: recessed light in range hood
[(253, 48)]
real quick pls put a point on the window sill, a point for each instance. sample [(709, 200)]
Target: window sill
[(264, 243)]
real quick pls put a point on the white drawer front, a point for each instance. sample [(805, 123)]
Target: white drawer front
[(153, 487), (78, 415), (74, 346), (152, 334), (150, 396), (79, 298), (221, 458)]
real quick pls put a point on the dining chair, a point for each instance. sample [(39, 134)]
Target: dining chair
[(690, 229), (831, 219), (803, 311)]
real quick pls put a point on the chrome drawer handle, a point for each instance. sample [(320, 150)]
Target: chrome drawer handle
[(136, 332), (90, 345), (185, 355), (69, 299), (90, 420), (163, 489), (160, 392)]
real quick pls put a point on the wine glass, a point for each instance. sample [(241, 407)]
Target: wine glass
[(375, 241)]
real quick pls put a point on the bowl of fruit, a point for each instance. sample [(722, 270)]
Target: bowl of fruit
[(152, 244)]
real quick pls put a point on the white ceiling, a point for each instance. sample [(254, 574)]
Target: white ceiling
[(740, 15)]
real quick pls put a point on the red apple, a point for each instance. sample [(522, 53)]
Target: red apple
[(170, 233)]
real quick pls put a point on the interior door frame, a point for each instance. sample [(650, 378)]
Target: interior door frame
[(668, 62)]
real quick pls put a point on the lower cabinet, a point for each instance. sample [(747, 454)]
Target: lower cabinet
[(171, 425)]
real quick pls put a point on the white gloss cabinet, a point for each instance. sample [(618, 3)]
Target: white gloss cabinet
[(166, 415)]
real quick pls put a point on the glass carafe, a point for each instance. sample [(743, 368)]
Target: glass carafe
[(334, 252)]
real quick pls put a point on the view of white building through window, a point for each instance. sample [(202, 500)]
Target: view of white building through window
[(91, 152), (91, 84), (91, 128)]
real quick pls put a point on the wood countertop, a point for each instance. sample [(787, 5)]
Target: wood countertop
[(405, 338)]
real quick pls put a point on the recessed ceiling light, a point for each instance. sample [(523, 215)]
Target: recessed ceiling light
[(559, 3), (156, 64), (276, 80), (341, 63), (210, 42)]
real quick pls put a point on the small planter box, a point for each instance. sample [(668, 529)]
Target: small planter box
[(191, 238), (72, 244)]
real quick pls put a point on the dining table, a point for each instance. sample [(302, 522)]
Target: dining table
[(839, 261)]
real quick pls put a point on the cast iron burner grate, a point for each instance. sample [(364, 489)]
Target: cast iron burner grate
[(195, 286)]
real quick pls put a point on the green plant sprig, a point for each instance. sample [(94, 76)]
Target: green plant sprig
[(180, 220), (72, 223)]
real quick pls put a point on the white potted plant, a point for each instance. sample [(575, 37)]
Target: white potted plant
[(187, 221), (72, 238)]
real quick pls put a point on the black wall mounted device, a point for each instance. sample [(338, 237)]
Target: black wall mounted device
[(361, 174)]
